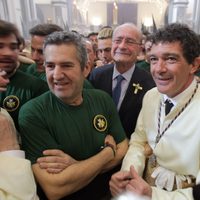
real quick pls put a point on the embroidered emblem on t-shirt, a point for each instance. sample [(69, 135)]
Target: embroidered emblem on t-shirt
[(11, 103), (100, 123)]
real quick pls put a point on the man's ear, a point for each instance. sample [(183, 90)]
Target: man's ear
[(86, 70), (195, 65)]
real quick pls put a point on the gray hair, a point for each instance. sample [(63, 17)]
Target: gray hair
[(64, 37), (131, 25)]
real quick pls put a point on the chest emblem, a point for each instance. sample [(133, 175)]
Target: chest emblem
[(11, 103), (100, 123)]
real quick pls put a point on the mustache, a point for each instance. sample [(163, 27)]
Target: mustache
[(7, 60)]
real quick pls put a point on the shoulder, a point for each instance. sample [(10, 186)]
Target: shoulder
[(27, 77), (152, 94), (143, 77), (97, 95), (37, 103), (31, 68), (101, 70)]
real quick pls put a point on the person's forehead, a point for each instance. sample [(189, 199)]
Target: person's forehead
[(126, 32), (166, 48), (38, 39), (107, 41), (8, 39)]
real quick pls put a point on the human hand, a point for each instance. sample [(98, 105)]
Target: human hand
[(8, 133), (3, 81), (138, 185), (55, 161), (118, 182), (110, 140)]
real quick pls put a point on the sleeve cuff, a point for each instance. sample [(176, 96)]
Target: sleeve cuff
[(14, 153)]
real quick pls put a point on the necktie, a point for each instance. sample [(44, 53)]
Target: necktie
[(168, 106), (117, 89)]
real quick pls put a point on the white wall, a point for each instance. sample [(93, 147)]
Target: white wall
[(146, 10), (97, 10)]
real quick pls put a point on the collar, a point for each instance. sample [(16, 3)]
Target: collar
[(183, 95), (127, 75)]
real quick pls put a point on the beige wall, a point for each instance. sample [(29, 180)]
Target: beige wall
[(146, 10), (97, 9)]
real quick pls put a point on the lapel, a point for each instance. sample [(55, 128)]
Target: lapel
[(108, 74), (130, 97)]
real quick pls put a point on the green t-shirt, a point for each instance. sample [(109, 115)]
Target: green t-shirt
[(47, 123), (23, 66), (87, 84), (32, 69), (143, 65), (22, 88)]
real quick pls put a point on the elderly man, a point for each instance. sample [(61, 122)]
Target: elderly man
[(17, 181), (83, 123), (171, 168), (123, 80)]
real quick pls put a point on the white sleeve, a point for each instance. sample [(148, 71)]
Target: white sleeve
[(17, 181), (13, 153)]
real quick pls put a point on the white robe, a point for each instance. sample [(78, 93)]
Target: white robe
[(16, 179), (178, 149)]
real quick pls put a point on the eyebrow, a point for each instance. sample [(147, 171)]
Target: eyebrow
[(165, 55)]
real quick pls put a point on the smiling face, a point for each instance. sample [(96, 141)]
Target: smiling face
[(9, 50), (63, 71), (126, 44), (170, 70), (104, 49), (37, 51)]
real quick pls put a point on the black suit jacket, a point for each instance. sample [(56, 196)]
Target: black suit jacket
[(101, 78)]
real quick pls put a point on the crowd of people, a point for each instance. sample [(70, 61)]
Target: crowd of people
[(98, 116)]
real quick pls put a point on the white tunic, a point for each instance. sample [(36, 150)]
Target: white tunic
[(179, 148)]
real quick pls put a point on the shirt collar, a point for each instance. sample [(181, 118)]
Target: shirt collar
[(183, 95), (127, 75)]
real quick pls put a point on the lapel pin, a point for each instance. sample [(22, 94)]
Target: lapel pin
[(136, 87)]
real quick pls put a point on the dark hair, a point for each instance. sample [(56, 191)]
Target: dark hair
[(7, 28), (64, 37), (179, 33), (92, 33), (44, 29)]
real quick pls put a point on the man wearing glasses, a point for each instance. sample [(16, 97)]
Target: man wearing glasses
[(134, 83)]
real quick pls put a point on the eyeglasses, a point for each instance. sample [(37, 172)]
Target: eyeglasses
[(108, 49), (127, 41)]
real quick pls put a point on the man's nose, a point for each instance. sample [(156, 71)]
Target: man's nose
[(161, 65), (35, 55), (57, 73)]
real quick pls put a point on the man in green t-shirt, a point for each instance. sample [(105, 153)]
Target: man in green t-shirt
[(16, 87), (38, 34), (71, 130)]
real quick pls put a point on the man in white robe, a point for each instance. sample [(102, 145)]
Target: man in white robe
[(17, 181), (173, 138)]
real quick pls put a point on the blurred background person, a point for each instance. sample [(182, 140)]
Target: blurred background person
[(104, 46)]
